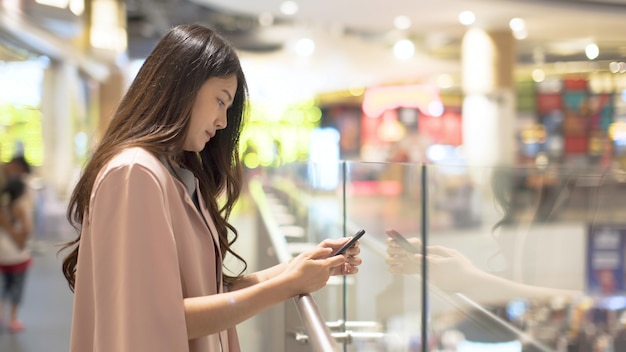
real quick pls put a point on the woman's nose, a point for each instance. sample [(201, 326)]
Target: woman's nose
[(221, 122)]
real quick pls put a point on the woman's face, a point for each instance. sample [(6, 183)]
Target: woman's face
[(208, 113)]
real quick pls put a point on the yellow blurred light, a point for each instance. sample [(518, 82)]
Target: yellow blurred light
[(251, 160), (538, 75), (314, 115), (356, 91), (391, 131), (617, 131), (445, 81)]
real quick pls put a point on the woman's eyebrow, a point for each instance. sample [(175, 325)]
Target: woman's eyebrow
[(230, 97)]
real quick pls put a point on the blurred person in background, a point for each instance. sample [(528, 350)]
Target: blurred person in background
[(19, 167), (16, 219), (152, 209)]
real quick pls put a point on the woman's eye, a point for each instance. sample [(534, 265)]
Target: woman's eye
[(220, 102)]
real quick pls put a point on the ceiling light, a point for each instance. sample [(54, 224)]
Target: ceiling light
[(305, 47), (538, 75), (517, 24), (289, 7), (614, 67), (402, 22), (467, 18), (77, 7), (592, 51), (617, 67), (404, 49), (519, 35), (61, 4)]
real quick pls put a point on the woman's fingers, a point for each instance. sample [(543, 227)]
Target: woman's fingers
[(319, 252), (393, 249)]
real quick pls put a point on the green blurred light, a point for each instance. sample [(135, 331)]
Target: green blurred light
[(315, 114), (21, 125), (251, 160)]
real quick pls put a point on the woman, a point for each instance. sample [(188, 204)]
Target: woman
[(15, 258), (153, 205)]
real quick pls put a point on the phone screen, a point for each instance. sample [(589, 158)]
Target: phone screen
[(403, 242), (350, 243)]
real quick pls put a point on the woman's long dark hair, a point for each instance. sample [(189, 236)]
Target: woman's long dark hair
[(154, 115)]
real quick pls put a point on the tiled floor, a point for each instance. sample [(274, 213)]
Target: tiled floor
[(46, 309)]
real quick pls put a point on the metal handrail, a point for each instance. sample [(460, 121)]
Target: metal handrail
[(319, 334)]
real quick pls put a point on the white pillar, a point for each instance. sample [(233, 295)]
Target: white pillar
[(57, 125), (488, 60)]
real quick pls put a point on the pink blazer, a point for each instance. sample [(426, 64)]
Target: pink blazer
[(144, 248)]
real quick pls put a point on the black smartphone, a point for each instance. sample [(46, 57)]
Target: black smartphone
[(350, 243), (403, 242)]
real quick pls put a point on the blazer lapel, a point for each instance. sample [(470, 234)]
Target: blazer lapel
[(213, 230)]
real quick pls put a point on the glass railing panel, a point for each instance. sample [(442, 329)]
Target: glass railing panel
[(382, 311), (306, 200), (525, 258), (289, 201), (518, 258), (318, 189), (310, 194)]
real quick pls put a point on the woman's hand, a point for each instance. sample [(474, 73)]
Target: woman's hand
[(352, 260), (448, 269), (309, 271), (303, 265)]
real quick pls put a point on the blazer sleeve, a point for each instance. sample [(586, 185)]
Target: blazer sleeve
[(136, 277)]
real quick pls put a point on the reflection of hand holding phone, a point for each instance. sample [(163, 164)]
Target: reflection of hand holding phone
[(403, 242), (350, 243)]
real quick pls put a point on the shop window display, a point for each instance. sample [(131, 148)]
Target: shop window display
[(576, 114)]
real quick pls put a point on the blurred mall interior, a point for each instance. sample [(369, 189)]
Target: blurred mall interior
[(367, 114)]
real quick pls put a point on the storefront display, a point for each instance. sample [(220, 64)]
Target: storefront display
[(575, 115)]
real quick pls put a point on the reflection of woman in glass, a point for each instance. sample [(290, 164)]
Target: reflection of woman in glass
[(485, 297), (451, 271)]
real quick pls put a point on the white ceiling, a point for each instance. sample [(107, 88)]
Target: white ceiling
[(354, 37), (546, 20)]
